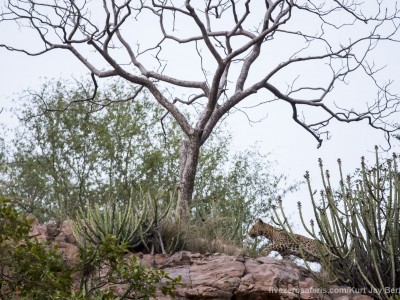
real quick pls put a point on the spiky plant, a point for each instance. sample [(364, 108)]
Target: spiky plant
[(136, 222), (359, 223)]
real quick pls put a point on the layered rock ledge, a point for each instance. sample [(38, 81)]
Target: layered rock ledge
[(217, 276)]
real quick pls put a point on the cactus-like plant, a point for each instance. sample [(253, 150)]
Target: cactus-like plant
[(135, 223), (359, 224)]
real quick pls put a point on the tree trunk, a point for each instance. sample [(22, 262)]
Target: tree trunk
[(188, 160)]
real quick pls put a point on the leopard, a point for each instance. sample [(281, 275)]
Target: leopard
[(287, 244)]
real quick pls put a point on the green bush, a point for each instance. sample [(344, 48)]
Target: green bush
[(33, 270), (63, 155), (103, 266), (28, 268)]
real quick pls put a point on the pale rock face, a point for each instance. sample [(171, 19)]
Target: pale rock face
[(218, 276), (215, 276), (70, 253), (38, 231), (52, 229), (66, 231)]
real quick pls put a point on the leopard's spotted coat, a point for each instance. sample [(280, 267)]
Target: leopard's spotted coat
[(286, 244)]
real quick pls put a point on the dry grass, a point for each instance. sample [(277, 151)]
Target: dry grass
[(201, 237)]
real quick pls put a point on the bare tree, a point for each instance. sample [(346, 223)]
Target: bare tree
[(238, 48)]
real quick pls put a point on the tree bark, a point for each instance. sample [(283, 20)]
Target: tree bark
[(188, 160)]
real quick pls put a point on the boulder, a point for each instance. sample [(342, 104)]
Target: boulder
[(66, 234), (38, 231), (52, 229), (69, 252), (215, 276), (219, 276)]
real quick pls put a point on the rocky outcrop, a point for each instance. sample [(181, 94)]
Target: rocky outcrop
[(217, 276), (59, 235)]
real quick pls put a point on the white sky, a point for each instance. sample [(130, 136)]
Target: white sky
[(293, 148)]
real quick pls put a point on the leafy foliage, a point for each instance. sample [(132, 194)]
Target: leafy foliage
[(104, 265), (61, 160), (28, 268), (226, 206), (33, 270), (66, 157)]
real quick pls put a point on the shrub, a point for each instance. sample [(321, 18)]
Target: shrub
[(28, 268), (62, 155), (359, 223), (33, 270), (104, 266)]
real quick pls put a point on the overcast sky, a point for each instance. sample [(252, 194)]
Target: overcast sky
[(291, 146)]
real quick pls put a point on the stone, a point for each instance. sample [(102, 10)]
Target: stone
[(207, 272), (148, 259), (61, 237), (52, 229), (361, 297), (207, 292), (70, 253), (38, 231), (278, 279), (214, 275), (66, 232), (177, 259), (229, 284), (184, 272)]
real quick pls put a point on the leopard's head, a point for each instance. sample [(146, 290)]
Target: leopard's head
[(257, 229)]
